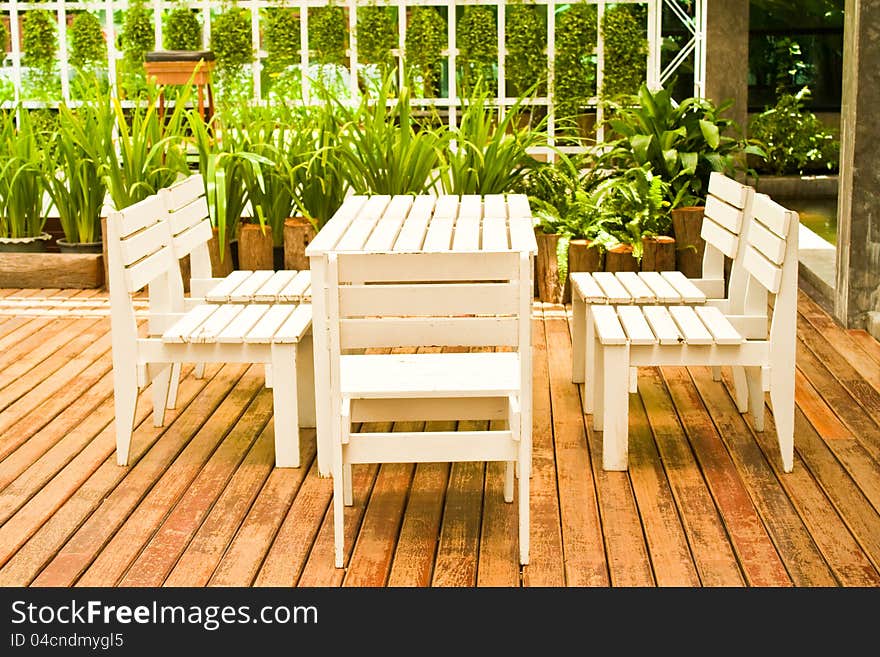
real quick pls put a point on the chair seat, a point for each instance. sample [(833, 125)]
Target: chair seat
[(646, 287), (664, 325), (241, 323), (374, 376), (284, 286)]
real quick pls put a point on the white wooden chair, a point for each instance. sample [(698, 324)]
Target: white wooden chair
[(634, 335), (189, 218), (728, 204), (140, 253), (382, 301)]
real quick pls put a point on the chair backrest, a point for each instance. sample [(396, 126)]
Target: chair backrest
[(770, 252), (140, 254), (725, 225), (190, 222)]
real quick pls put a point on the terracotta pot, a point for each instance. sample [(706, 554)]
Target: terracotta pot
[(298, 234), (687, 222)]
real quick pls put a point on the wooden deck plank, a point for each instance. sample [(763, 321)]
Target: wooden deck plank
[(802, 558), (756, 552), (106, 502), (869, 344), (41, 345), (546, 565), (821, 415), (457, 551), (713, 555), (582, 542), (498, 563), (169, 540), (42, 547)]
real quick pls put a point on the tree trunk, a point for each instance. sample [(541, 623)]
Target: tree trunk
[(658, 253), (298, 233), (686, 225), (255, 248), (546, 270), (219, 269), (582, 256), (620, 258)]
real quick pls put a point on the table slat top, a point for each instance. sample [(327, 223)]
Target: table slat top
[(419, 224)]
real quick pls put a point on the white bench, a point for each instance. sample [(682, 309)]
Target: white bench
[(632, 335), (727, 205), (140, 253)]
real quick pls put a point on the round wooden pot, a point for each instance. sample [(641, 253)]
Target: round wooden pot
[(620, 258), (298, 234), (687, 222), (582, 256), (546, 269), (220, 268), (658, 253), (255, 248)]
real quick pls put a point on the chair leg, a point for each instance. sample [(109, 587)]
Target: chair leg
[(268, 375), (509, 469), (615, 400), (199, 371), (756, 396), (338, 468), (525, 459), (348, 493), (578, 338), (161, 386), (125, 394), (305, 381), (598, 384), (589, 360), (741, 388), (633, 380), (173, 386), (716, 373), (284, 406), (782, 399)]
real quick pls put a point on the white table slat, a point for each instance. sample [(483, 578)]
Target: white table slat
[(295, 326), (306, 296), (662, 289), (662, 324), (612, 287), (608, 328), (265, 329), (389, 225), (215, 324), (689, 292), (494, 234), (467, 232), (412, 235), (636, 287), (439, 236), (518, 206), (249, 286), (690, 325), (522, 234), (635, 325), (721, 329), (470, 205), (585, 286), (494, 205), (239, 327), (220, 292), (268, 291), (332, 231), (362, 226), (296, 289), (446, 206), (183, 327)]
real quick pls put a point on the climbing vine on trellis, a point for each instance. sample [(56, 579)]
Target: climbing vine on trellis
[(525, 64)]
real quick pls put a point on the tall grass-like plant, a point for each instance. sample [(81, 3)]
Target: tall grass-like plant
[(21, 177), (385, 151), (74, 179), (491, 152)]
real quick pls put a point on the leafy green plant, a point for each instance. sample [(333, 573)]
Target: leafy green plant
[(40, 50), (327, 30), (74, 179), (233, 48), (477, 39), (136, 39), (683, 144), (794, 140), (281, 38), (624, 32), (376, 36), (183, 31), (425, 41), (21, 177), (575, 61), (4, 39), (86, 39), (491, 152), (385, 151), (526, 40)]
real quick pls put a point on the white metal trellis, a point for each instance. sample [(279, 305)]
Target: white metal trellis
[(657, 74)]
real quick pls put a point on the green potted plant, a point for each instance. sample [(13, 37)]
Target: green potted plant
[(137, 38), (75, 181), (624, 32), (477, 39), (328, 28), (376, 39), (88, 51), (282, 41), (183, 30), (425, 42), (525, 63), (231, 43), (22, 216), (40, 53), (575, 66)]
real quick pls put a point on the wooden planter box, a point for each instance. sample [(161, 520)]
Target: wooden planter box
[(52, 270)]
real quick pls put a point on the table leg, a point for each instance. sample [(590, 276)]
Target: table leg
[(323, 426)]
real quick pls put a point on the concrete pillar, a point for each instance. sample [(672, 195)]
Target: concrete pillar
[(857, 294), (727, 56)]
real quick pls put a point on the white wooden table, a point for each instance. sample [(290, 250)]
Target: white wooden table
[(403, 226)]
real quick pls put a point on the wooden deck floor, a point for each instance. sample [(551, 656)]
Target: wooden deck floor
[(704, 502)]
